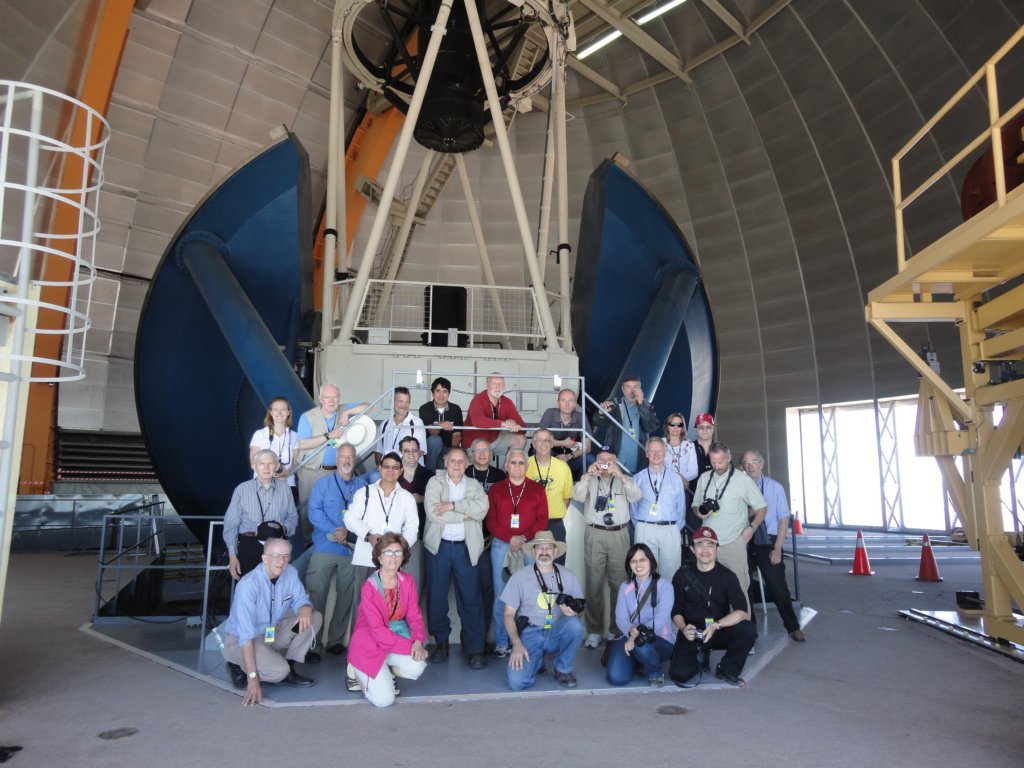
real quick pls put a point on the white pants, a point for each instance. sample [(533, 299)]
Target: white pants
[(380, 690)]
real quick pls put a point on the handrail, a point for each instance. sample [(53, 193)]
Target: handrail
[(993, 133)]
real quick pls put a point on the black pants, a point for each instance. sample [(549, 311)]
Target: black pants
[(736, 641), (775, 580)]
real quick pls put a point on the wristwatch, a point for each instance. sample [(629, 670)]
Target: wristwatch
[(252, 675)]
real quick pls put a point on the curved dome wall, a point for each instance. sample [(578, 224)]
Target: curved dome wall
[(776, 162)]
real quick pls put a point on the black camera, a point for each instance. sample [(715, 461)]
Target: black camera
[(708, 506), (644, 635), (574, 604), (698, 636), (601, 504), (609, 519)]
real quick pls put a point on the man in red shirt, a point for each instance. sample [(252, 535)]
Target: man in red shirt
[(497, 414), (518, 510)]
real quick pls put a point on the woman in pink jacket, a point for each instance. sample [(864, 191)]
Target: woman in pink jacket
[(389, 632)]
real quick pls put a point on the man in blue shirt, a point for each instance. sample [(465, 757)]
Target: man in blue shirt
[(271, 617), (332, 557), (659, 514), (769, 539)]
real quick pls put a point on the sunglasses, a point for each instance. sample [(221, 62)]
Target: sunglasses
[(391, 467), (676, 424)]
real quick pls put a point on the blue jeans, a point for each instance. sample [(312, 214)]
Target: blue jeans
[(499, 549), (563, 640), (451, 563), (651, 658)]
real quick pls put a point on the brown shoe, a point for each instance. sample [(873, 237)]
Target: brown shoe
[(798, 635)]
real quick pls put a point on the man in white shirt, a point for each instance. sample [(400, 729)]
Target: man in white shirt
[(453, 538), (401, 424)]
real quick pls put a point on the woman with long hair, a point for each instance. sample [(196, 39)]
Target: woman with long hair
[(277, 435)]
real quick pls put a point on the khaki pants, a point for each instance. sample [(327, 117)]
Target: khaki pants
[(605, 555), (734, 557), (272, 658)]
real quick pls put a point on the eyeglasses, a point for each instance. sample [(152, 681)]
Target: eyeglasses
[(517, 463), (676, 424), (705, 426), (410, 450), (392, 553), (391, 467), (279, 558)]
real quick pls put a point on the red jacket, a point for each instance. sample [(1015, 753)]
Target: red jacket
[(532, 508), (372, 638), (480, 414)]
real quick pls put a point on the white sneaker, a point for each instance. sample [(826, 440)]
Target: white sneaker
[(592, 641)]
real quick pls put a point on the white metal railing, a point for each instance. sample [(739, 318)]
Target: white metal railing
[(993, 134), (402, 311)]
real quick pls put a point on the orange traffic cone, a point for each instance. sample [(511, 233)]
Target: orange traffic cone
[(861, 564), (798, 527), (929, 571)]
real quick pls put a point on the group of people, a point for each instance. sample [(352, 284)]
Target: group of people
[(488, 519)]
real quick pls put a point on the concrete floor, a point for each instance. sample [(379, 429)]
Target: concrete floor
[(868, 688)]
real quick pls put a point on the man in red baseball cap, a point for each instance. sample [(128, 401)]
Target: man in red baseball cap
[(710, 613)]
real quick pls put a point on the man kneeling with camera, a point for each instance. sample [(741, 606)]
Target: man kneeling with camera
[(542, 601), (710, 615)]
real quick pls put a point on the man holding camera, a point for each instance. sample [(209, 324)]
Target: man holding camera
[(635, 414), (606, 494), (710, 615), (542, 603), (260, 509), (723, 499), (660, 511), (332, 553)]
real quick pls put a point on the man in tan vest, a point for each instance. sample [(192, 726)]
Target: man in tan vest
[(316, 427)]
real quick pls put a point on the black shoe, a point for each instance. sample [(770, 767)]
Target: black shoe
[(298, 681), (730, 679), (336, 650), (312, 657), (440, 653), (476, 661), (238, 677)]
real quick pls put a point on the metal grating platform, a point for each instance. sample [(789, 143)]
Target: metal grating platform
[(175, 645), (970, 629)]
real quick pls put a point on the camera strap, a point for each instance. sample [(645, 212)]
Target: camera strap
[(635, 617), (549, 599), (721, 491)]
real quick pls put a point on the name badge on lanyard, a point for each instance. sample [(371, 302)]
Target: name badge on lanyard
[(515, 520)]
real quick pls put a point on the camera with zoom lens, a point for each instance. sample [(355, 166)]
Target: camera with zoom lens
[(709, 506), (574, 604), (644, 635), (698, 636)]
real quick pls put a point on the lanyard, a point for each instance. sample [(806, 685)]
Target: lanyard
[(398, 431), (515, 501), (387, 509), (285, 443), (474, 473), (657, 488), (270, 488), (273, 588), (344, 498), (625, 410), (542, 478)]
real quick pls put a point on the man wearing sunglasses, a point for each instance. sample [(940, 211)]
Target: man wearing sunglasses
[(271, 626)]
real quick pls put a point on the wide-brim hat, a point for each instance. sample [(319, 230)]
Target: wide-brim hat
[(360, 432), (544, 537)]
